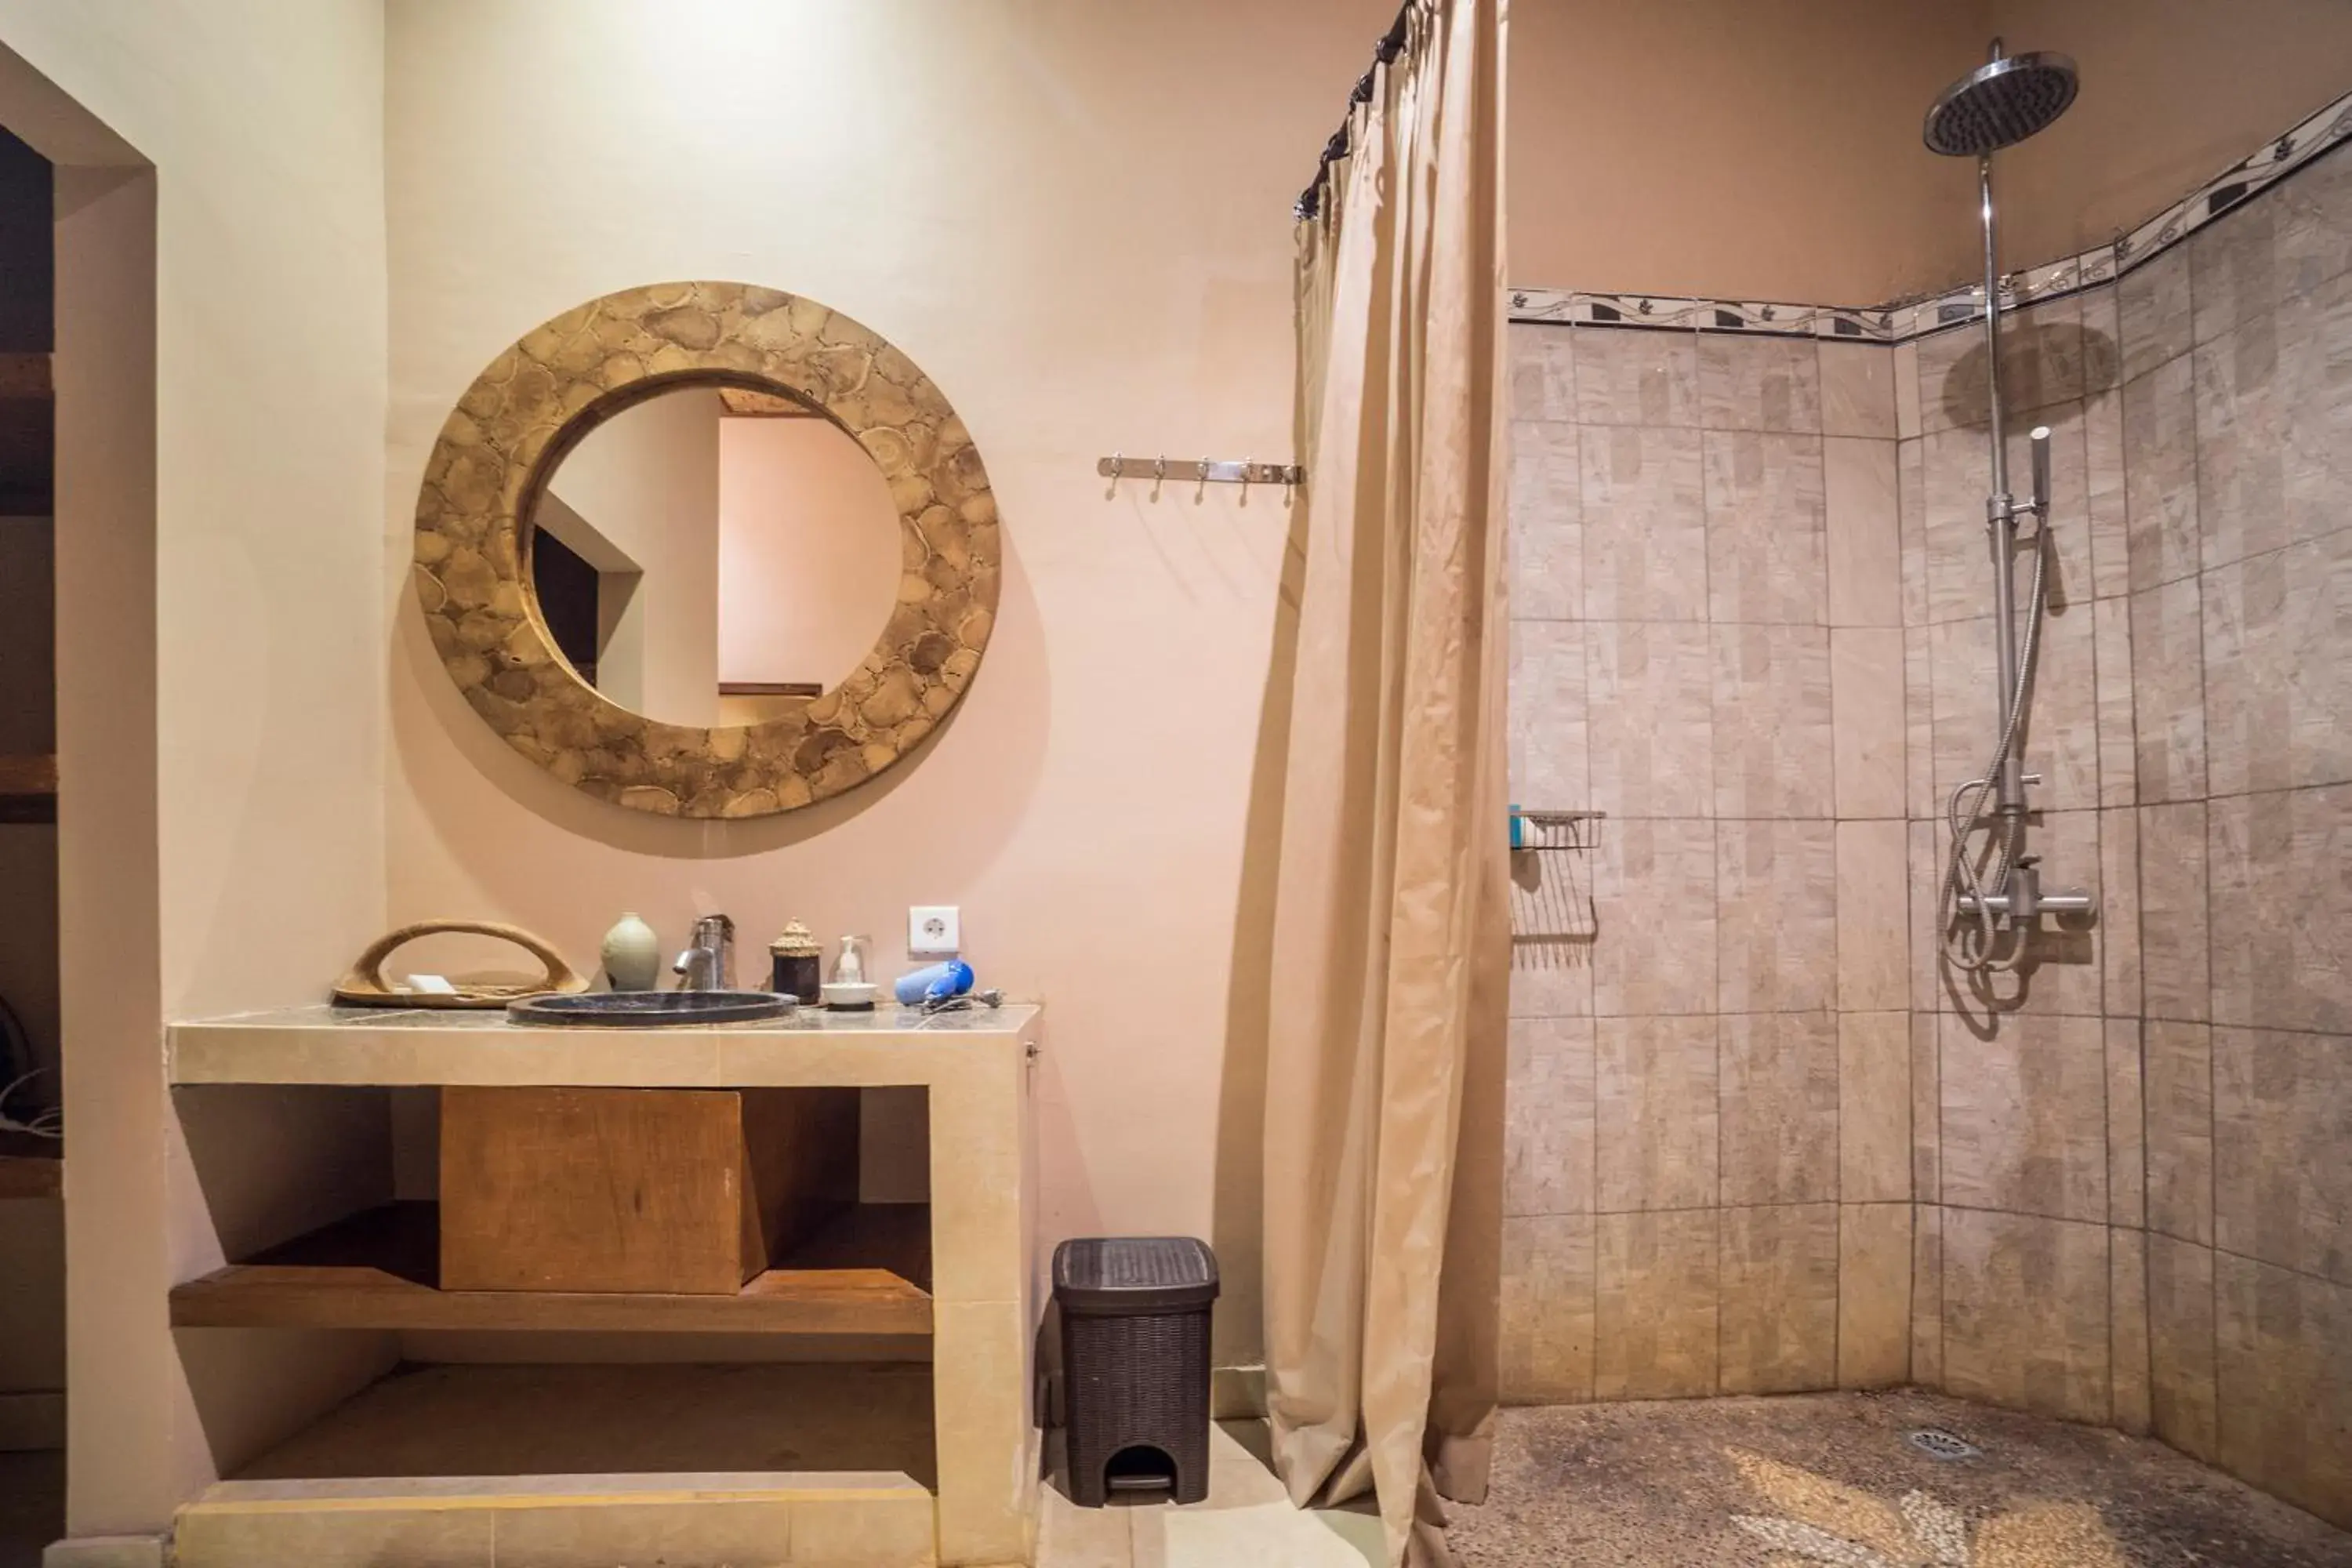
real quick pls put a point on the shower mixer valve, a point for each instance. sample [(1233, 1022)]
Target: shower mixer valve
[(2024, 902)]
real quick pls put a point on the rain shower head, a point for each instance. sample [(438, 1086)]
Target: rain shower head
[(2000, 104)]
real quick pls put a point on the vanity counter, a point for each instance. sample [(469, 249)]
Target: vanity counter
[(390, 1046), (982, 1308)]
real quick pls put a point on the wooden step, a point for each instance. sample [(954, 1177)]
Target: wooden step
[(380, 1270), (862, 1520)]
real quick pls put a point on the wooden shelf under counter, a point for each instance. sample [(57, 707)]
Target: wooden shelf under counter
[(31, 1167), (866, 1273)]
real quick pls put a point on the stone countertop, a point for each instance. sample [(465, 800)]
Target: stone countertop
[(320, 1043)]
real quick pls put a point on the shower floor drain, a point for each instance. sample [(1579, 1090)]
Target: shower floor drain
[(1938, 1445)]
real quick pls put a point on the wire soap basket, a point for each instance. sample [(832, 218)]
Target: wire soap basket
[(1553, 914), (1536, 831)]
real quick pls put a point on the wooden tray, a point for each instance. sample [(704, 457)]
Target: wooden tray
[(364, 985)]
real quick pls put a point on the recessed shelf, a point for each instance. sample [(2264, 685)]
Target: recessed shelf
[(866, 1273)]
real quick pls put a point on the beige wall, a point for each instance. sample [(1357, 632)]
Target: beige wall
[(220, 394), (1770, 149), (1077, 226), (808, 551), (2174, 92), (1740, 149)]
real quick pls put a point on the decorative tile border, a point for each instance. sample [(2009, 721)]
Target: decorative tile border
[(1758, 318), (1906, 320)]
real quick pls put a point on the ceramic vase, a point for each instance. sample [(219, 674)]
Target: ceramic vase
[(632, 955)]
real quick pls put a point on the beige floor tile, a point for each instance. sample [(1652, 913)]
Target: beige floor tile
[(2024, 1116), (1873, 1281), (1658, 1112), (2283, 1122), (2181, 1345), (2126, 1125), (1766, 540), (2160, 454), (1644, 524), (1759, 383), (1779, 1329), (1874, 950), (2127, 1304), (1546, 1331), (1543, 372), (2025, 1312), (1651, 695), (1069, 1536), (1777, 924), (2179, 1062), (1867, 672), (2168, 631), (1547, 510), (1873, 1086), (1547, 1135), (1772, 722), (2283, 905), (1862, 510), (1635, 377), (1857, 390), (1656, 1336), (2284, 1365), (1655, 900), (1779, 1107)]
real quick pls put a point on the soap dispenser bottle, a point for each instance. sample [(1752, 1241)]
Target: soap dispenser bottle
[(849, 991)]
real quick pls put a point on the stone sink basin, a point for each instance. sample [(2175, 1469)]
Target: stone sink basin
[(651, 1009)]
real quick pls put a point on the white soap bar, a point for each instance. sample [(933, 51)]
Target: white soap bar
[(433, 984)]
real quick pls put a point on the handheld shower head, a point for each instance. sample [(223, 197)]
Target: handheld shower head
[(2000, 104)]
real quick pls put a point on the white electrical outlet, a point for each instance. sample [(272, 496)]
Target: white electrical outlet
[(934, 930)]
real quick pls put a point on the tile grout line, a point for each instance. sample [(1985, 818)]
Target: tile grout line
[(1592, 973), (2205, 768), (1714, 834)]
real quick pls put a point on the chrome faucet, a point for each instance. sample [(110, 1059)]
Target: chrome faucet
[(708, 964)]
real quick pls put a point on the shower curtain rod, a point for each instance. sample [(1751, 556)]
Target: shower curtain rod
[(1392, 45)]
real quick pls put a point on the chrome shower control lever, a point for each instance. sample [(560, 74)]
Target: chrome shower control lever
[(2024, 902)]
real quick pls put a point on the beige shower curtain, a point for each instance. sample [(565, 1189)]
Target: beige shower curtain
[(1391, 946)]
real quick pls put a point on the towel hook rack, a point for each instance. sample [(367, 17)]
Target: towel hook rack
[(1207, 471)]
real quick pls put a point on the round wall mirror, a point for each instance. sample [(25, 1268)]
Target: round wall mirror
[(708, 550), (710, 554)]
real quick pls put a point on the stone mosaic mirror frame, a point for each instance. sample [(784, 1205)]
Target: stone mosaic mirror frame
[(536, 401)]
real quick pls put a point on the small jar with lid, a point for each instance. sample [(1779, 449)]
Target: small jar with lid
[(797, 963)]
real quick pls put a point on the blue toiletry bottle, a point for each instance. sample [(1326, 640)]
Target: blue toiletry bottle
[(934, 981)]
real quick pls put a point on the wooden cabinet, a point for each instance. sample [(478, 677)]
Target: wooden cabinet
[(682, 1192)]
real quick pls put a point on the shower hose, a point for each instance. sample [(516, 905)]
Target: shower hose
[(1972, 938)]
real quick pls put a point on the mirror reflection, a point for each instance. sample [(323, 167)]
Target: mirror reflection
[(714, 556)]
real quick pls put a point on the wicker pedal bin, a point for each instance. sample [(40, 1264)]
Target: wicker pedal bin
[(1135, 1361)]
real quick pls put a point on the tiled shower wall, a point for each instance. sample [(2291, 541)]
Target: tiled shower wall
[(2128, 1195), (1708, 1169), (2134, 1165)]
